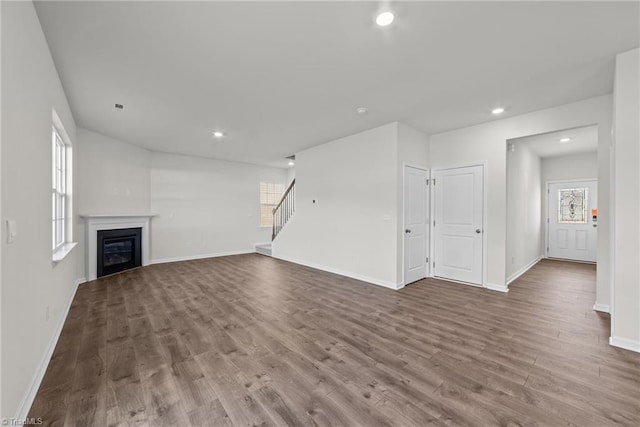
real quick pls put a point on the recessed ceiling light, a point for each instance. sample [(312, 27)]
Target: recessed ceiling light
[(565, 139), (218, 134), (498, 110), (291, 163), (384, 18), (361, 110)]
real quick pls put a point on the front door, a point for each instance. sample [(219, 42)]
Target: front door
[(572, 232), (458, 224), (415, 224)]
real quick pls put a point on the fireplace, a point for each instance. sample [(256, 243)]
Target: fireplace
[(118, 250), (110, 222)]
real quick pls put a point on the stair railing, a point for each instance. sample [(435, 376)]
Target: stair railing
[(284, 209)]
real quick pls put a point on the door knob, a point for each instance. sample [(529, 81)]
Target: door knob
[(478, 231), (407, 230)]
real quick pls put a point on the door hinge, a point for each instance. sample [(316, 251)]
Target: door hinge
[(427, 260), (547, 219), (434, 264), (434, 181), (547, 248), (427, 181)]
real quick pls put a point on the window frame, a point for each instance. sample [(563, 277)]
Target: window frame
[(61, 191), (276, 196)]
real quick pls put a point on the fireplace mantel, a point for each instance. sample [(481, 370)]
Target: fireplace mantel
[(96, 222), (117, 216)]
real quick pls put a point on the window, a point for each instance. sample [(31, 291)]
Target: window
[(60, 198), (572, 205), (270, 195)]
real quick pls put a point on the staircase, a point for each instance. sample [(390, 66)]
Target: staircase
[(283, 211)]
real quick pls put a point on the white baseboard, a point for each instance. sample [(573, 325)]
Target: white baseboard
[(523, 270), (192, 257), (601, 307), (30, 395), (499, 288), (384, 283), (625, 343)]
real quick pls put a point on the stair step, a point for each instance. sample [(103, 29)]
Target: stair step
[(264, 249)]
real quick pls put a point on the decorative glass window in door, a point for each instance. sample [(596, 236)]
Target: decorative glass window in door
[(572, 205)]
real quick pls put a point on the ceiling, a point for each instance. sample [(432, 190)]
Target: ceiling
[(279, 77), (583, 140)]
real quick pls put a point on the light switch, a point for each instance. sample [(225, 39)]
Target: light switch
[(12, 230)]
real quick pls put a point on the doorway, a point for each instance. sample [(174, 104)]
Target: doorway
[(416, 231), (534, 162), (572, 220), (458, 226)]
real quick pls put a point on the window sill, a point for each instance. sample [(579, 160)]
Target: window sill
[(63, 251)]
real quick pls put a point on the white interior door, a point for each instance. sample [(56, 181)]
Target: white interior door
[(415, 224), (571, 231), (458, 224)]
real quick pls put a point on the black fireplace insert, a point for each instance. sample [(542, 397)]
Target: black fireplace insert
[(119, 250)]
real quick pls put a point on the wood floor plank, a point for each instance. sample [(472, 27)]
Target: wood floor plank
[(211, 414), (162, 400), (250, 340), (124, 397), (241, 407)]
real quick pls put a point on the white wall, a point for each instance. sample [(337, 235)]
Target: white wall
[(291, 174), (355, 228), (113, 177), (352, 227), (573, 166), (524, 199), (625, 321), (206, 207), (1, 381), (413, 149), (30, 281), (487, 143), (604, 259)]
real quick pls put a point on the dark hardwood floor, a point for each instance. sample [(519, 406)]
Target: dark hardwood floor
[(250, 340)]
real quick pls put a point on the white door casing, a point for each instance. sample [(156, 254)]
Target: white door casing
[(416, 195), (572, 236), (458, 224)]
